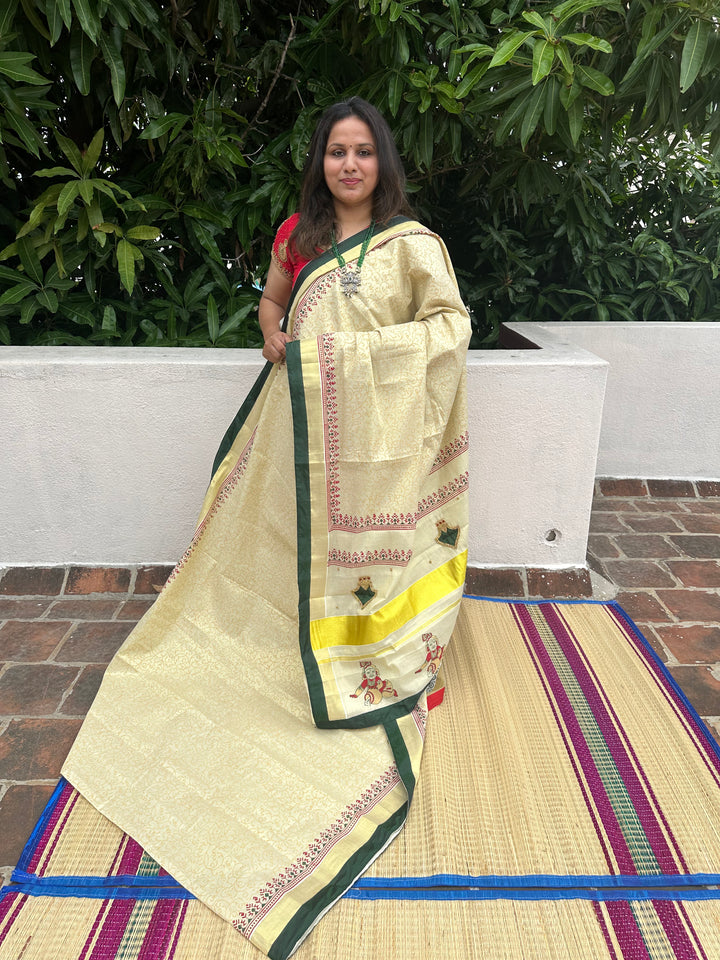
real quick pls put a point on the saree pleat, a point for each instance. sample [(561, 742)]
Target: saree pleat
[(260, 731)]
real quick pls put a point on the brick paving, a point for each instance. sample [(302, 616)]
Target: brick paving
[(654, 544)]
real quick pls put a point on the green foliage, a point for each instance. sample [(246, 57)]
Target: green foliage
[(567, 152)]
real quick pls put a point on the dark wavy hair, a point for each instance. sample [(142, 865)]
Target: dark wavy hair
[(317, 213)]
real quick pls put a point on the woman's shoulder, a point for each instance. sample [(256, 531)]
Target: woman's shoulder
[(287, 227), (283, 249)]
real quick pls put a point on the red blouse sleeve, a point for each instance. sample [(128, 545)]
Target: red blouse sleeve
[(283, 250)]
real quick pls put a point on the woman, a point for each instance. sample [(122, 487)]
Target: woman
[(332, 543)]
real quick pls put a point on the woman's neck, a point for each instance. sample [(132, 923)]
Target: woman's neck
[(352, 221)]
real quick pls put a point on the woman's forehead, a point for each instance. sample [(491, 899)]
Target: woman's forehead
[(351, 132)]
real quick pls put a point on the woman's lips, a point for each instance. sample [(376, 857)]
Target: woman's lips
[(350, 182)]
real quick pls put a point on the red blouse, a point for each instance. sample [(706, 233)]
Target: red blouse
[(284, 252)]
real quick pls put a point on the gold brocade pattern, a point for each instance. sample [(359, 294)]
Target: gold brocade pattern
[(201, 743)]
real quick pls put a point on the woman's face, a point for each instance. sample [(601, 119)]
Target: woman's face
[(351, 163)]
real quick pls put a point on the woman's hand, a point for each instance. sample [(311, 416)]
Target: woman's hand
[(274, 349)]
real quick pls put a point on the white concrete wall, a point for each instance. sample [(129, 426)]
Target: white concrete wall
[(662, 407), (106, 452)]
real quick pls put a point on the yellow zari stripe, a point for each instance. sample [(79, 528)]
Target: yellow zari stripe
[(360, 630)]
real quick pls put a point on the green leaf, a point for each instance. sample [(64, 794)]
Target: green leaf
[(29, 259), (94, 213), (54, 21), (159, 127), (82, 54), (70, 151), (48, 298), (143, 232), (588, 40), (55, 172), (88, 18), (203, 211), (425, 141), (109, 320), (533, 113), (573, 8), (117, 68), (7, 273), (15, 66), (595, 80), (693, 53), (395, 89), (543, 57), (576, 115), (471, 80), (67, 197), (507, 48), (126, 264), (92, 154), (569, 94), (512, 115), (17, 293), (532, 16), (213, 318), (7, 15), (86, 191), (64, 9), (28, 309), (563, 55), (552, 105), (26, 131)]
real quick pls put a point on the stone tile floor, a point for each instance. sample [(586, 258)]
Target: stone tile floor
[(655, 544)]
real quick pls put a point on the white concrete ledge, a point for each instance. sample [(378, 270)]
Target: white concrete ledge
[(662, 410), (106, 452)]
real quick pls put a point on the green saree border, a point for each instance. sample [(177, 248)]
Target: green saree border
[(402, 756), (310, 912), (240, 417), (327, 258), (316, 264), (304, 548), (316, 692)]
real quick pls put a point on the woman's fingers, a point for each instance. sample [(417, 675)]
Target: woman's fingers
[(274, 349)]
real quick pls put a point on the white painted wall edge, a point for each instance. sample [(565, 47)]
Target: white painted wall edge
[(107, 451), (662, 410)]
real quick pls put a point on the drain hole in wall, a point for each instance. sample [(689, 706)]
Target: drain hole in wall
[(552, 536)]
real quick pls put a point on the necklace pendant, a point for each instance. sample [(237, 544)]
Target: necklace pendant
[(349, 281)]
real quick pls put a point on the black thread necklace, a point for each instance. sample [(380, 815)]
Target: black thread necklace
[(350, 280)]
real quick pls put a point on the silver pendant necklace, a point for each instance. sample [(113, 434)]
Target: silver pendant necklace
[(350, 280)]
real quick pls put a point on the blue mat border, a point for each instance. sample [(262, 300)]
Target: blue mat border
[(534, 893), (436, 887), (549, 881)]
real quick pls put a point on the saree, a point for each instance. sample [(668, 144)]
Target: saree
[(260, 731)]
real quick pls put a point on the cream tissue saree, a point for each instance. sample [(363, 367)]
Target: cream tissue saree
[(260, 731)]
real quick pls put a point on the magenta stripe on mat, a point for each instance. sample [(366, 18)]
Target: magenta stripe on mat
[(113, 929), (93, 930), (178, 930), (6, 905), (46, 855), (601, 799), (573, 763), (132, 855), (627, 931), (600, 917), (643, 800), (57, 813), (683, 947), (159, 933)]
